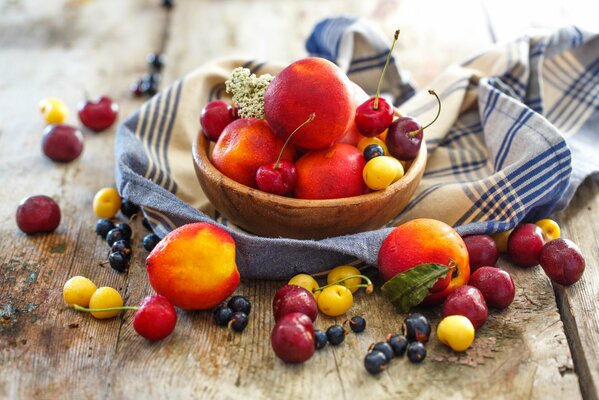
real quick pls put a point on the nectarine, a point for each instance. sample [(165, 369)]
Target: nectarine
[(194, 266), (310, 85)]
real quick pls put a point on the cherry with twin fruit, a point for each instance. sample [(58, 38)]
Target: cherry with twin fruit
[(280, 177), (404, 136), (376, 114), (155, 318)]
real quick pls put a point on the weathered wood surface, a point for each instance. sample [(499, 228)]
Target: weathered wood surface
[(49, 351)]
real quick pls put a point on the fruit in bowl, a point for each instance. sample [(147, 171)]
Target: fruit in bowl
[(312, 109)]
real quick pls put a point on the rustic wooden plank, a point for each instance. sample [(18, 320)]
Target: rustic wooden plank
[(521, 352), (59, 49), (578, 303)]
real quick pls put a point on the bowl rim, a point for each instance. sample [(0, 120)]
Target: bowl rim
[(200, 150)]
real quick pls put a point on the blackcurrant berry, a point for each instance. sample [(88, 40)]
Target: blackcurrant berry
[(114, 235), (320, 339), (238, 321), (384, 348), (375, 362), (118, 261), (399, 343), (156, 61), (416, 327), (335, 335), (121, 246), (126, 229), (168, 3), (146, 224), (240, 303), (357, 324), (373, 150), (416, 352), (222, 315), (150, 241), (103, 226), (128, 208)]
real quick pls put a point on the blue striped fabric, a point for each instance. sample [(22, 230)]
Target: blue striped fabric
[(517, 135)]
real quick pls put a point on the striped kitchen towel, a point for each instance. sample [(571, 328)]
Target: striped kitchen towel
[(517, 135)]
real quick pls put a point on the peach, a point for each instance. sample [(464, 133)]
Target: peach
[(352, 135), (194, 266), (245, 145), (310, 85), (330, 174), (422, 241)]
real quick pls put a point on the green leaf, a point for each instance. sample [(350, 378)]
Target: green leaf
[(407, 289)]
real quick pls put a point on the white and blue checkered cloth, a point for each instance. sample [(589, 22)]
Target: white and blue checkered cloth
[(517, 135)]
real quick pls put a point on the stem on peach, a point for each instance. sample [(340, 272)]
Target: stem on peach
[(378, 89), (306, 122), (414, 133)]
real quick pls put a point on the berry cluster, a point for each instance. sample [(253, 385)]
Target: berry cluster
[(234, 313), (149, 83), (107, 203), (155, 318), (335, 334), (415, 332)]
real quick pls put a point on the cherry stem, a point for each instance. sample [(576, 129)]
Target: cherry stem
[(378, 89), (413, 134), (306, 122), (85, 309), (369, 286)]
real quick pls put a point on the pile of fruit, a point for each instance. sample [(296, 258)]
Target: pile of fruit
[(309, 133)]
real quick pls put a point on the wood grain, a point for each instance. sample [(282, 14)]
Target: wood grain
[(48, 351)]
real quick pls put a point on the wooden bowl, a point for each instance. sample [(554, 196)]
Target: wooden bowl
[(267, 214)]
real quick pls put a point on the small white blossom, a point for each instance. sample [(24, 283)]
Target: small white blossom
[(248, 91)]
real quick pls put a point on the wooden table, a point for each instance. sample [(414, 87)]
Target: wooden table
[(546, 345)]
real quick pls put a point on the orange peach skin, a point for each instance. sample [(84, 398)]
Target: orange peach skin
[(194, 266), (421, 241), (310, 85), (245, 145), (330, 174)]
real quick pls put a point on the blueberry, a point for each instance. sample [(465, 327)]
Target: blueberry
[(150, 241), (103, 226), (121, 246), (222, 315), (126, 229), (118, 261), (128, 208), (399, 344), (335, 335), (416, 352), (240, 303), (357, 324), (115, 235), (375, 362), (156, 61), (416, 327), (373, 150), (384, 348), (238, 321), (320, 339), (146, 224), (168, 4)]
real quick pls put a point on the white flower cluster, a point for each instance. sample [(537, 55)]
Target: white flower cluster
[(248, 92)]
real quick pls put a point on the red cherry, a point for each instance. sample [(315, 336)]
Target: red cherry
[(215, 116), (98, 115), (404, 136), (373, 121), (375, 114), (280, 177), (279, 180), (62, 143), (292, 338), (156, 318), (38, 214)]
